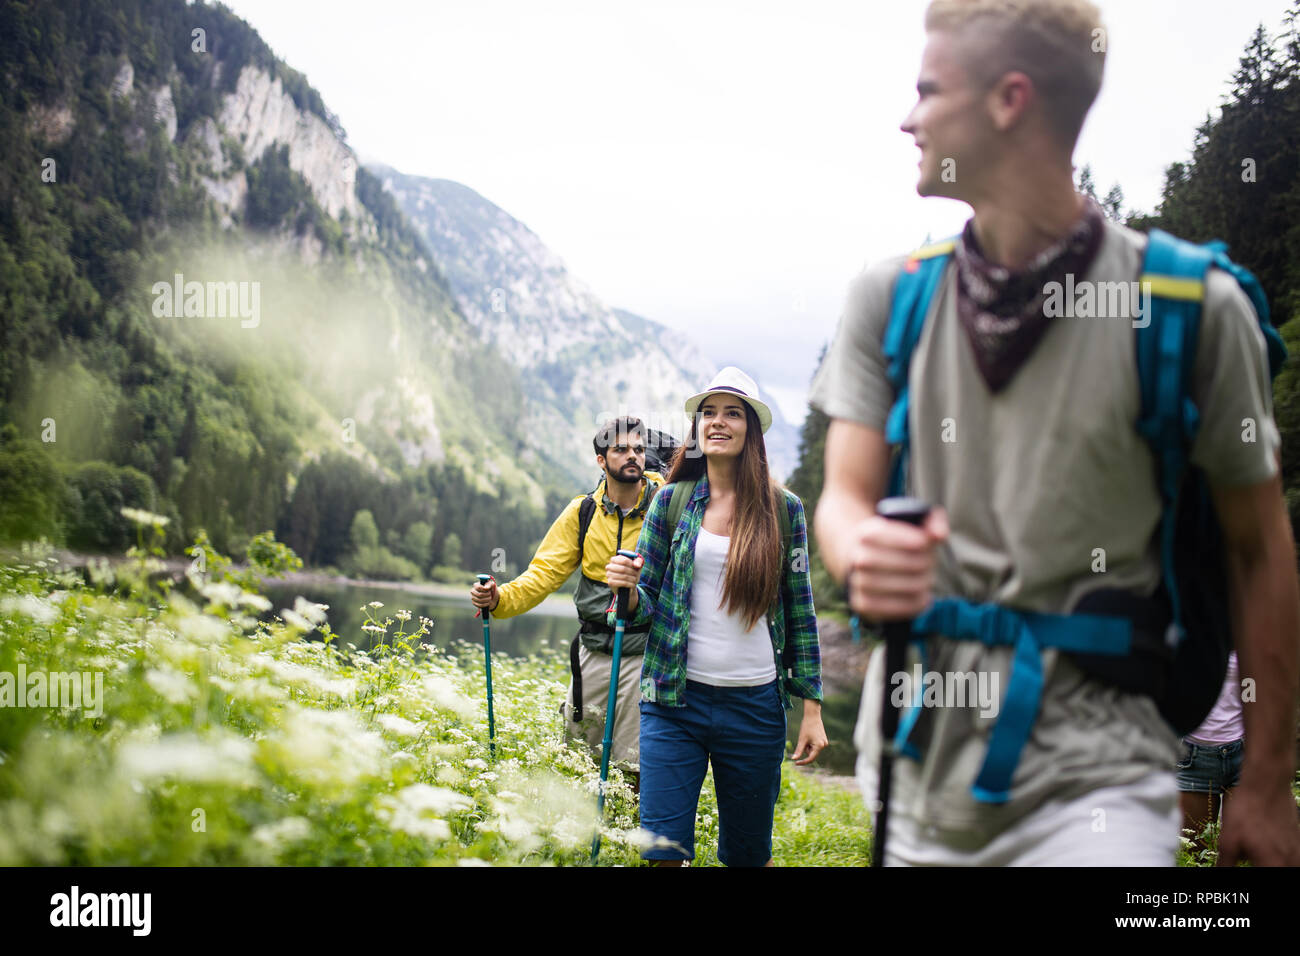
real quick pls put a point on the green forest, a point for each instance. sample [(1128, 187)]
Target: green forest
[(102, 406)]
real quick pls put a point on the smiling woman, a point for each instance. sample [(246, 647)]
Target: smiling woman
[(720, 551)]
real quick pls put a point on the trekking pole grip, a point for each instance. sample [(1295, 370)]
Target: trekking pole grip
[(913, 511), (897, 633), (483, 580), (624, 594)]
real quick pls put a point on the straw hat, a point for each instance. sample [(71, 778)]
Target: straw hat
[(734, 382)]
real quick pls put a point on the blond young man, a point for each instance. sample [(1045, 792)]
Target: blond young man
[(1045, 466)]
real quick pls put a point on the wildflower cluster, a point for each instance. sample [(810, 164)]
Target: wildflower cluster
[(226, 739)]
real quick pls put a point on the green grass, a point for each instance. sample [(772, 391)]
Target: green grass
[(225, 740)]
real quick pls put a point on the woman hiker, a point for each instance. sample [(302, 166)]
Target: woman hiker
[(733, 633)]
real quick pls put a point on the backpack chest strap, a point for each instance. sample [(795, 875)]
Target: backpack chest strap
[(1029, 632)]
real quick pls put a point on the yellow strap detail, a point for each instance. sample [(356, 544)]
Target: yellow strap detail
[(934, 249), (1171, 287)]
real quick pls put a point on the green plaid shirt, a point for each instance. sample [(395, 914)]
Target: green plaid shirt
[(664, 594)]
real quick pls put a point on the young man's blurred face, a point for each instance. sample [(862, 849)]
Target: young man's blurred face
[(949, 122)]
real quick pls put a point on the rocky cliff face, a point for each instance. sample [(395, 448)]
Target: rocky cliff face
[(260, 113), (580, 358)]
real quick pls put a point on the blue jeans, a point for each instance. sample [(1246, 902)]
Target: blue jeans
[(1209, 768), (742, 731)]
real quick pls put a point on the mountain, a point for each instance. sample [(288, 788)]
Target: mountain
[(578, 358), (211, 311)]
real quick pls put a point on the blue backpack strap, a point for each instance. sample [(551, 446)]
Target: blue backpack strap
[(913, 292), (1174, 274), (1029, 633), (1255, 292), (1173, 283)]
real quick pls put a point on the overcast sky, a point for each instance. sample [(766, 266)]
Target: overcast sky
[(723, 168)]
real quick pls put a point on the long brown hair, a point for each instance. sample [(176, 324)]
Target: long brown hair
[(754, 550)]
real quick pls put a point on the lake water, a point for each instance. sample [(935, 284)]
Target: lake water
[(551, 625)]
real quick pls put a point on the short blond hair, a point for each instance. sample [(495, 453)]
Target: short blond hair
[(1059, 44)]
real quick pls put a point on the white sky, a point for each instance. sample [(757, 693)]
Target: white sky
[(721, 167)]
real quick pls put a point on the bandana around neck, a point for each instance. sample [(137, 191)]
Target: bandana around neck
[(1001, 310)]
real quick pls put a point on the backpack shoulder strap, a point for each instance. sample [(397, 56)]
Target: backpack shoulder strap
[(787, 538), (1174, 273), (787, 533), (682, 491), (914, 290), (585, 512)]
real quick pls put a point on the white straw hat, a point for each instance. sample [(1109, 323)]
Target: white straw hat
[(734, 382)]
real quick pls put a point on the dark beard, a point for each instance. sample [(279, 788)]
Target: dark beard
[(622, 480)]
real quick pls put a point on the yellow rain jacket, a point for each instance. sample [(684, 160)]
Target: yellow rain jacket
[(557, 557)]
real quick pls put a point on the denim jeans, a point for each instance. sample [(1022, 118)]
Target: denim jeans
[(741, 730), (1209, 768)]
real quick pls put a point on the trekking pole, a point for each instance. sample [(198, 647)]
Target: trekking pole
[(620, 621), (897, 635), (483, 579)]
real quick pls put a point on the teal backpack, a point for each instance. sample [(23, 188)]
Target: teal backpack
[(1174, 648)]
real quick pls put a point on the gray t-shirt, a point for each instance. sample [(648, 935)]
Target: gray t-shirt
[(1045, 484)]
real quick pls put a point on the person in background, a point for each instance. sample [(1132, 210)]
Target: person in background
[(733, 632), (1210, 765), (613, 513)]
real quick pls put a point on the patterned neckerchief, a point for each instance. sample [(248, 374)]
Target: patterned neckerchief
[(1001, 310)]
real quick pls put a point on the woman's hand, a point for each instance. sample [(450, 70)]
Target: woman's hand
[(812, 735), (622, 572)]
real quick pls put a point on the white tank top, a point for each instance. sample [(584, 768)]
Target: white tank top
[(719, 651)]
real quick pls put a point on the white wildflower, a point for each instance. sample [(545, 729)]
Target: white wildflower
[(289, 830), (399, 726), (31, 606), (249, 599), (142, 517), (310, 610), (203, 628), (222, 592), (417, 810), (328, 746), (296, 620), (173, 685), (220, 759), (444, 695)]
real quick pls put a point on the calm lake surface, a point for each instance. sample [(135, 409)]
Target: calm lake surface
[(551, 625)]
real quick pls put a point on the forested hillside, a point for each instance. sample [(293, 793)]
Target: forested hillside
[(157, 154)]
